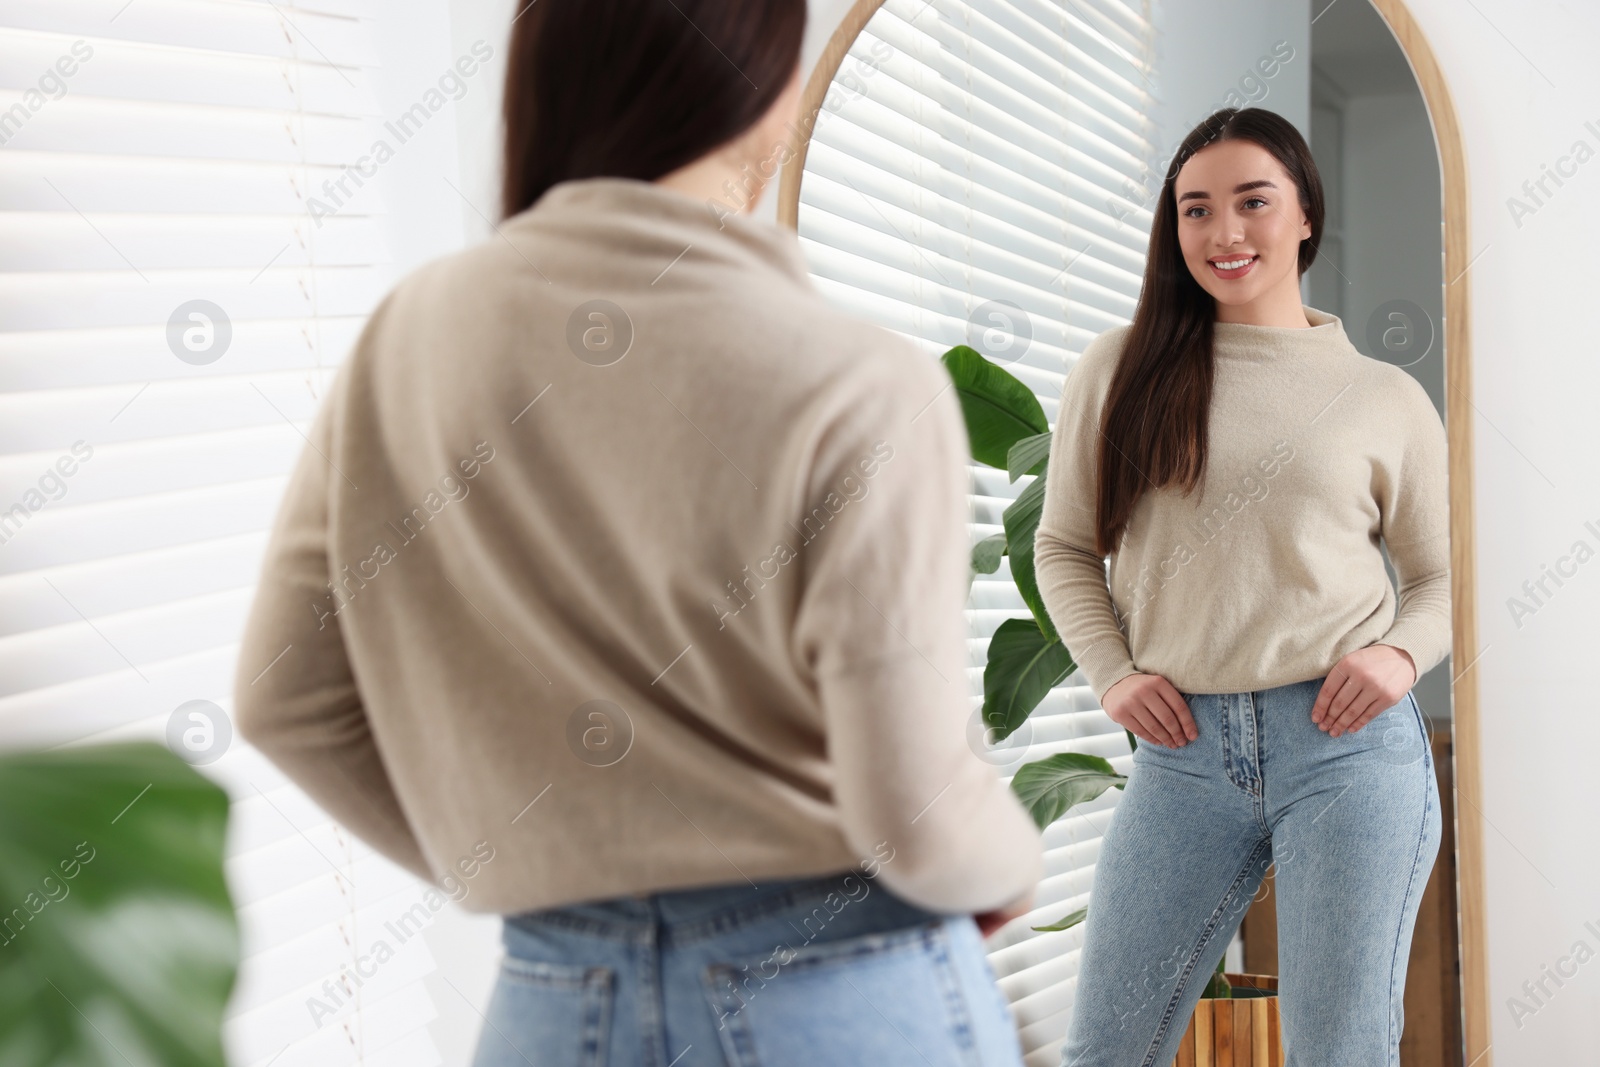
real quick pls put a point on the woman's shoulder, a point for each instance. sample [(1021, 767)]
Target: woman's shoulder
[(1393, 410), (1099, 357), (1393, 387), (1110, 340)]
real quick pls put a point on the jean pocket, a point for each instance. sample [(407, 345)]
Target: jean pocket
[(552, 1014), (1397, 735), (876, 1000)]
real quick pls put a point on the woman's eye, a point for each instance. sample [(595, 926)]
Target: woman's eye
[(1249, 201)]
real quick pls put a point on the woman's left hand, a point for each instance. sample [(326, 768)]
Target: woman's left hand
[(1362, 685)]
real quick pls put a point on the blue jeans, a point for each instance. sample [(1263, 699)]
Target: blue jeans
[(1351, 824), (828, 971)]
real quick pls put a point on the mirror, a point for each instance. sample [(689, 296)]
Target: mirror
[(986, 174)]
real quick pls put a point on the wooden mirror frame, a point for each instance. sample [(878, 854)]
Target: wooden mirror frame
[(1458, 409)]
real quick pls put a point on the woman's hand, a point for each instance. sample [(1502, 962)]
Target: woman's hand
[(1363, 684), (990, 921), (1149, 706)]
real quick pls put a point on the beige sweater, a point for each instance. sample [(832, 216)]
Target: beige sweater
[(664, 595), (1271, 571)]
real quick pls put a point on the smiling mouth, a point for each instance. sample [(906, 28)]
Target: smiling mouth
[(1237, 267)]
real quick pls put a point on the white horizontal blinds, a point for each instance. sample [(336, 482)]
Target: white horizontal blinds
[(986, 151), (155, 153)]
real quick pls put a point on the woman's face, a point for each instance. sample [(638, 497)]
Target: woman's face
[(1236, 203)]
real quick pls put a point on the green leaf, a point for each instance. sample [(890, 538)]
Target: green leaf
[(1023, 666), (999, 409), (1219, 988), (1133, 742), (1066, 922), (1021, 519), (1049, 787), (986, 553), (119, 942), (1028, 456)]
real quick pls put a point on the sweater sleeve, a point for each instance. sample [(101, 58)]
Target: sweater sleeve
[(1071, 574), (1414, 509), (881, 629), (295, 696)]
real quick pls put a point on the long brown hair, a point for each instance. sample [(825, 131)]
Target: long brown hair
[(637, 88), (1156, 417)]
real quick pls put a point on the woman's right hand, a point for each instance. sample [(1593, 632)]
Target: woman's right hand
[(1150, 707), (990, 921)]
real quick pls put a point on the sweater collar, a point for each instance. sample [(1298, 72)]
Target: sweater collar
[(639, 218), (1239, 340)]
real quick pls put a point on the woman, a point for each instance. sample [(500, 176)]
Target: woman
[(622, 582), (1240, 461)]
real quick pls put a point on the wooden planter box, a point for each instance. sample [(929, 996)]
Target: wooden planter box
[(1238, 1032)]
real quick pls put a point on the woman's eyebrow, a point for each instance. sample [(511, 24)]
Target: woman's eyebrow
[(1245, 187)]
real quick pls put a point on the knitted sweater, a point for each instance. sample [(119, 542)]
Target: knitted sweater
[(620, 551), (1271, 571)]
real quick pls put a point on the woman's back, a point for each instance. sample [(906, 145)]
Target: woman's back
[(650, 566)]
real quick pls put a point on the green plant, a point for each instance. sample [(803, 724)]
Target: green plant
[(1006, 428), (118, 939)]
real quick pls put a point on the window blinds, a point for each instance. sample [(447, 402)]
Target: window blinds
[(977, 177), (153, 154)]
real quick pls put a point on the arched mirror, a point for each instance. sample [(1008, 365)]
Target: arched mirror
[(984, 173)]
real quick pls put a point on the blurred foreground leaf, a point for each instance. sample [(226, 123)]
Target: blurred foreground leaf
[(118, 940)]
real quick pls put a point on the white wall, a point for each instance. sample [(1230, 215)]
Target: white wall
[(414, 52), (1392, 238), (1205, 61), (1524, 88)]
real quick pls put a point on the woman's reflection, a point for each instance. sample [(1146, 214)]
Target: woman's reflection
[(1239, 460)]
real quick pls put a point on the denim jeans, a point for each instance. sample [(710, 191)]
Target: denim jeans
[(1351, 824), (829, 971)]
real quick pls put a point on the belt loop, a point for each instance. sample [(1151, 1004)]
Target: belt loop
[(1255, 716)]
